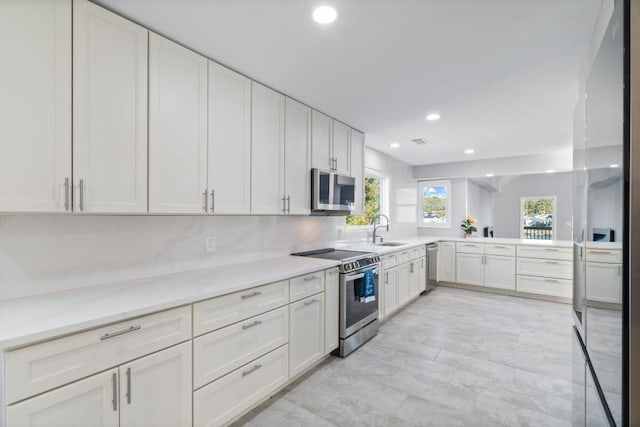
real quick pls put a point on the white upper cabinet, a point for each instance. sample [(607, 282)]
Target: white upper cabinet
[(357, 169), (267, 151), (229, 141), (341, 149), (321, 129), (297, 144), (177, 128), (109, 111), (35, 105)]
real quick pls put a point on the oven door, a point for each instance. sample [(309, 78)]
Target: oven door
[(354, 313)]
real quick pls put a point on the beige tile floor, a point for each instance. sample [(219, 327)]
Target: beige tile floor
[(452, 358)]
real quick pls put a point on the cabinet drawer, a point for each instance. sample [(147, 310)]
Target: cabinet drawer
[(404, 256), (225, 399), (220, 352), (418, 252), (470, 248), (37, 368), (304, 286), (545, 268), (506, 250), (545, 286), (389, 261), (545, 252), (222, 311), (603, 255)]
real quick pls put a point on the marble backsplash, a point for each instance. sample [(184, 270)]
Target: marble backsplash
[(48, 253)]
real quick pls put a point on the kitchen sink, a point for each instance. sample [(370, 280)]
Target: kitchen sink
[(390, 244)]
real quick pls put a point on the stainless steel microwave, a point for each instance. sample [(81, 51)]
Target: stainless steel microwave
[(331, 194)]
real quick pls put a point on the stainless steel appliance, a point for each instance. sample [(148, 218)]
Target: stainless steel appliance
[(358, 316), (432, 266), (331, 194)]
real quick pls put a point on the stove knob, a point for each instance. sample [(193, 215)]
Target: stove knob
[(349, 266)]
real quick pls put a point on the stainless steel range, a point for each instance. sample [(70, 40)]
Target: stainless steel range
[(358, 311)]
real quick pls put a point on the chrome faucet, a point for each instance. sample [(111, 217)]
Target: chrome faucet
[(375, 227)]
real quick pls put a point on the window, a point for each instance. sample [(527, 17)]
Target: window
[(436, 204), (375, 188), (537, 217)]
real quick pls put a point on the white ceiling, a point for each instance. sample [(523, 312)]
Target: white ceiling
[(503, 73)]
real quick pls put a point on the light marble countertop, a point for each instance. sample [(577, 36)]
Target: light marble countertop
[(30, 319)]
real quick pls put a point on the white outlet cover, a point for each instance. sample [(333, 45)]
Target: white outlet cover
[(210, 242)]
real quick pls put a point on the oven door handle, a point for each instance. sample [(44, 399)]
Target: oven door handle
[(352, 277)]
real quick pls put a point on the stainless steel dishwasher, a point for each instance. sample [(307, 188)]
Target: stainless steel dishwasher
[(432, 266)]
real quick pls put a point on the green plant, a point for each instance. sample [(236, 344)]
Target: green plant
[(371, 203), (468, 225)]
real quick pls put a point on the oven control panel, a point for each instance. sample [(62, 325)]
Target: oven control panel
[(350, 266)]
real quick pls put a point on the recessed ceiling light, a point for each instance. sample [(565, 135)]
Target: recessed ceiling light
[(550, 171), (489, 175), (394, 145), (614, 165), (469, 151), (432, 117), (324, 14)]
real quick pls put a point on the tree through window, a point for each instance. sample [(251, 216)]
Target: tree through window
[(372, 202)]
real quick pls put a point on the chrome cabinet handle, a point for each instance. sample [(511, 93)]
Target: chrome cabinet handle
[(124, 331), (251, 325), (81, 190), (411, 267), (499, 247), (551, 262), (251, 295), (66, 194), (599, 252), (619, 270), (114, 392), (288, 204), (213, 201), (128, 386), (206, 200), (551, 249), (386, 277), (313, 301), (310, 278), (551, 280), (252, 370), (284, 204)]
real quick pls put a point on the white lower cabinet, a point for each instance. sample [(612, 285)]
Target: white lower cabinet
[(604, 282), (227, 398), (545, 286), (90, 402), (306, 333), (404, 283), (469, 269), (331, 310), (446, 262), (226, 349), (500, 272), (154, 390), (390, 302)]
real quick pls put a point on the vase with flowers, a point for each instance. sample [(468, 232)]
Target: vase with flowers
[(468, 225)]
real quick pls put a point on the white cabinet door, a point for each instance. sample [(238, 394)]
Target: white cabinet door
[(156, 390), (321, 129), (446, 262), (297, 143), (267, 151), (390, 291), (357, 170), (331, 311), (35, 106), (92, 402), (422, 274), (177, 128), (404, 283), (500, 272), (469, 269), (341, 148), (603, 282), (306, 333), (109, 111), (229, 141)]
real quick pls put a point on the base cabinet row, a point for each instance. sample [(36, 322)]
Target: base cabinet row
[(401, 283)]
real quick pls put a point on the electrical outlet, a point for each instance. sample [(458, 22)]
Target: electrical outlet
[(210, 242)]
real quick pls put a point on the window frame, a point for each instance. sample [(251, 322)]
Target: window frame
[(554, 213), (420, 216), (385, 191)]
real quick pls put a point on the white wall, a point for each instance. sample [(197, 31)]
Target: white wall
[(47, 253), (559, 160), (480, 205), (458, 211), (506, 203)]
